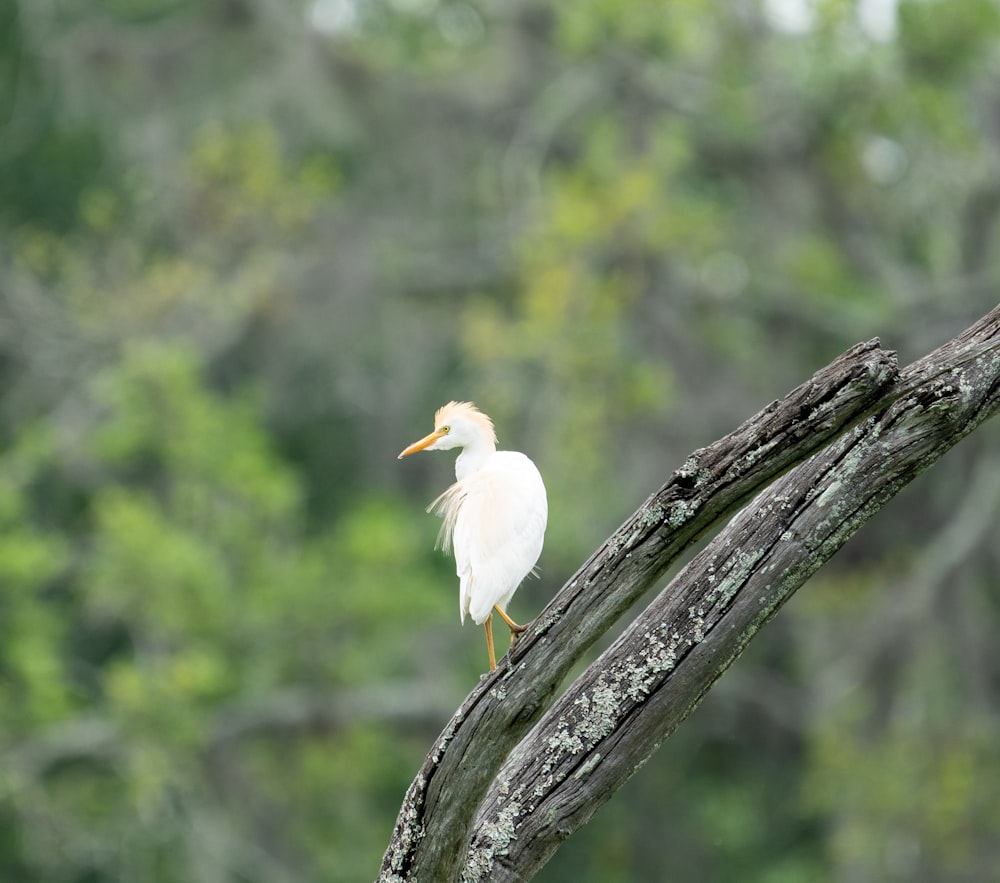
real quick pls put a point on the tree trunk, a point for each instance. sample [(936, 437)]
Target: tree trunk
[(867, 430)]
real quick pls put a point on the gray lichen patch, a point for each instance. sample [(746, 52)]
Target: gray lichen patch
[(645, 520), (826, 496), (616, 543), (448, 735), (500, 833), (697, 617), (545, 625), (639, 526), (751, 458), (680, 511), (543, 785), (689, 469), (642, 672), (782, 502), (599, 712), (564, 740), (596, 713), (587, 768), (494, 840), (821, 411), (594, 717), (408, 834), (651, 516), (725, 585), (965, 388)]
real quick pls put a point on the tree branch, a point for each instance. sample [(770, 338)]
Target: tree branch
[(617, 712), (434, 824)]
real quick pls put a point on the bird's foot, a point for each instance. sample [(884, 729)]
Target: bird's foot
[(515, 629)]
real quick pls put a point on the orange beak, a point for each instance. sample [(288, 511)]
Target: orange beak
[(426, 441)]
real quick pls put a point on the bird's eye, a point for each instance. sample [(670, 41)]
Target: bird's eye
[(446, 429)]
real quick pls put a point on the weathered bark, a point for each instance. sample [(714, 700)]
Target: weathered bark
[(432, 831), (617, 712), (626, 703)]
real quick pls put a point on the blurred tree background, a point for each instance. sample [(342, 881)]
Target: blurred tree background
[(248, 246)]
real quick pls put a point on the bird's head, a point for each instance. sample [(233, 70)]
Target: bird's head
[(456, 425)]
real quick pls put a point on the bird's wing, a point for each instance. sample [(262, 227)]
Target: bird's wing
[(496, 518)]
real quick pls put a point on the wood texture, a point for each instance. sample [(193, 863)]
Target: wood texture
[(433, 827), (619, 710), (852, 436)]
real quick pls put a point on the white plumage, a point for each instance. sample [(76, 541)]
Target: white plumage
[(494, 514)]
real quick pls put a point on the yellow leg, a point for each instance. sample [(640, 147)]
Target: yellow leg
[(488, 625), (515, 629)]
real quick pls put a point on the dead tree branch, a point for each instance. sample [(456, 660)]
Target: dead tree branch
[(868, 430), (616, 713), (433, 828)]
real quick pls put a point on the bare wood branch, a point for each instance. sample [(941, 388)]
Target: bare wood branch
[(432, 831), (615, 715)]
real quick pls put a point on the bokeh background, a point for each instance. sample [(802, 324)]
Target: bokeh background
[(248, 246)]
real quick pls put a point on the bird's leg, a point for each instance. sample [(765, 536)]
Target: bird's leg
[(488, 625), (515, 629)]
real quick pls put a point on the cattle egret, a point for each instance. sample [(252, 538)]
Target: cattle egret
[(494, 515)]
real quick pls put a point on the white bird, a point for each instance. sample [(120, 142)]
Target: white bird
[(494, 514)]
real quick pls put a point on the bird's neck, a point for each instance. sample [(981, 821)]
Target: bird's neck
[(473, 458)]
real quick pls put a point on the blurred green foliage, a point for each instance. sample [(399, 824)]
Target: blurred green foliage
[(250, 247)]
